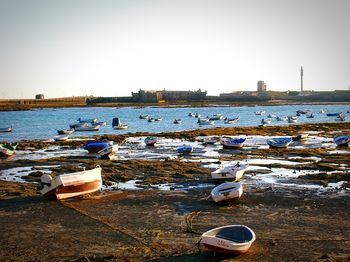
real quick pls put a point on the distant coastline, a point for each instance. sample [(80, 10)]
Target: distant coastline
[(30, 104)]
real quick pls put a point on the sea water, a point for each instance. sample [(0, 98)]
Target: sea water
[(43, 123)]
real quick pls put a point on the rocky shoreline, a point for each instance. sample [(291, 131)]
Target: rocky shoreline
[(150, 224)]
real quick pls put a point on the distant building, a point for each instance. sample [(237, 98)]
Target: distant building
[(261, 86), (155, 96), (39, 96)]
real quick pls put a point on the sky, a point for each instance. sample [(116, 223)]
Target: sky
[(114, 47)]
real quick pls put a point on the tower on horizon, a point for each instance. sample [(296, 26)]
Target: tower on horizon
[(301, 79)]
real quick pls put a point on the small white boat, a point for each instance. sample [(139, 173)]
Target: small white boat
[(232, 142), (265, 122), (61, 137), (71, 185), (5, 129), (259, 113), (231, 120), (205, 121), (87, 128), (282, 118), (300, 137), (227, 191), (271, 116), (231, 239), (144, 116), (65, 132), (117, 124), (210, 140), (279, 141), (216, 117), (234, 170), (177, 121), (292, 119), (342, 140)]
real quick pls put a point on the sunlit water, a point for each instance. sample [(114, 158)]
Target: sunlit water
[(43, 123)]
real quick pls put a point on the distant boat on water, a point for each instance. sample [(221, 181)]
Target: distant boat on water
[(117, 124), (65, 132), (6, 129)]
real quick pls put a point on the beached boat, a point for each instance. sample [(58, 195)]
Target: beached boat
[(61, 137), (231, 239), (300, 137), (185, 149), (151, 140), (71, 185), (117, 124), (87, 128), (233, 170), (65, 132), (342, 140), (205, 121), (5, 129), (227, 191), (210, 140), (7, 149), (94, 147), (177, 121), (108, 152), (279, 141), (232, 142), (231, 120)]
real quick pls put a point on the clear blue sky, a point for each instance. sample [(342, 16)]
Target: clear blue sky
[(113, 47)]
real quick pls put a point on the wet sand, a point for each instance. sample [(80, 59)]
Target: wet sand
[(152, 224)]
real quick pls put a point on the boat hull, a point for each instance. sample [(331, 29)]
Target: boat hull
[(227, 191), (71, 185), (232, 171), (213, 240)]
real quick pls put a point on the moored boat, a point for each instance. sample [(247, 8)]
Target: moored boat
[(72, 184), (292, 119), (65, 132), (7, 149), (185, 149), (342, 140), (87, 128), (233, 142), (216, 117), (265, 122), (231, 120), (177, 121), (281, 118), (117, 124), (279, 141), (233, 170), (227, 191), (231, 239), (205, 121), (259, 113), (6, 129), (151, 140)]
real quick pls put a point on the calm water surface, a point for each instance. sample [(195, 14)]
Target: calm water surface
[(43, 123)]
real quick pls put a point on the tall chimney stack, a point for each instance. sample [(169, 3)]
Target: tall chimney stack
[(301, 79)]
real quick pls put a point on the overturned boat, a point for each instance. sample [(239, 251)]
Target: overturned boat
[(71, 185), (231, 239)]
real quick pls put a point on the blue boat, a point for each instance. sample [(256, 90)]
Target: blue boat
[(233, 142), (96, 146), (342, 140), (333, 114), (279, 141), (184, 149)]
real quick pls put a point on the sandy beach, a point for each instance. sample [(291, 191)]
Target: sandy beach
[(300, 217)]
